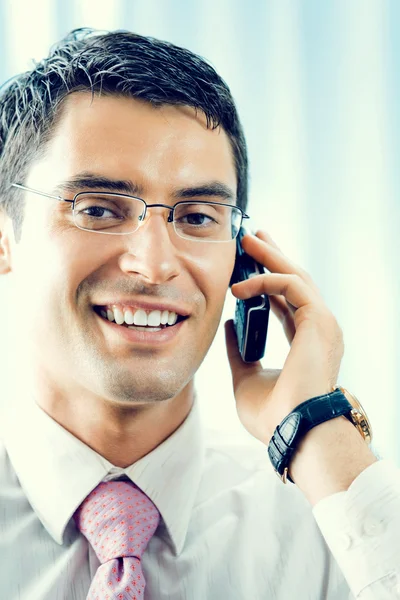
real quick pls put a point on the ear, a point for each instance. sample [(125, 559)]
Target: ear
[(5, 246)]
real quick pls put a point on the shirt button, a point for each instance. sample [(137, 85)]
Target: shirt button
[(345, 541), (372, 526)]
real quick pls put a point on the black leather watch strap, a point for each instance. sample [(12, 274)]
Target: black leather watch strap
[(304, 417)]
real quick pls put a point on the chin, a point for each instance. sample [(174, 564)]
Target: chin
[(123, 386)]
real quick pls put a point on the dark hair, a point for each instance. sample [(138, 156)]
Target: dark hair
[(118, 62)]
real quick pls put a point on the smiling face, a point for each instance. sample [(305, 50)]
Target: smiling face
[(60, 272)]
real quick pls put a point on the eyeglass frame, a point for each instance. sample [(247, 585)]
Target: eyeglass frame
[(146, 206)]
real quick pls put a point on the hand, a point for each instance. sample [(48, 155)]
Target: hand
[(265, 396)]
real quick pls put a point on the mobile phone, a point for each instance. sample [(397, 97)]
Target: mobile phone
[(251, 315)]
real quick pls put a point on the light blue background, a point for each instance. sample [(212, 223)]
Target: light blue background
[(317, 87)]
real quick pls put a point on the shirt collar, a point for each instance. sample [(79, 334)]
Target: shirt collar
[(57, 471)]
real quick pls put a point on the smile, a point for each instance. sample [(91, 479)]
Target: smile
[(142, 334), (139, 318)]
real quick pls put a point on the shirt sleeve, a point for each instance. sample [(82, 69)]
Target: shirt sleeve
[(362, 529)]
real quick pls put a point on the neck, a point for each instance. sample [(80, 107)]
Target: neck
[(121, 432)]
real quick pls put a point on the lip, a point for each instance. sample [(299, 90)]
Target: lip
[(149, 306), (151, 338)]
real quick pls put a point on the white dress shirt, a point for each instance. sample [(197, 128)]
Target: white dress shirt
[(229, 529)]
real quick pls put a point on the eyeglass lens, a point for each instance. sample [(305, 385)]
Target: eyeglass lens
[(118, 214)]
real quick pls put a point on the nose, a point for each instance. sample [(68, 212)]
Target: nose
[(149, 251)]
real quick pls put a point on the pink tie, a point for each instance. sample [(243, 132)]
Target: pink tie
[(118, 519)]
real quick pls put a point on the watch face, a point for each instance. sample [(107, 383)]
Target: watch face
[(359, 415)]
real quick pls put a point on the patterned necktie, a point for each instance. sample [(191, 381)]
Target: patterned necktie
[(118, 519)]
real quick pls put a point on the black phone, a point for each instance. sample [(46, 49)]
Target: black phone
[(251, 315)]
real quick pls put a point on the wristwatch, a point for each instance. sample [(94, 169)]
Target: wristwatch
[(287, 435)]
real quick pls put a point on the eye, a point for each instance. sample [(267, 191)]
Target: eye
[(96, 206), (98, 211), (198, 214), (196, 218)]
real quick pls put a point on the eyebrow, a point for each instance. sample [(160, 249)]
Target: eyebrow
[(92, 181)]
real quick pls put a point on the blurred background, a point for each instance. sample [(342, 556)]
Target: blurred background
[(317, 85)]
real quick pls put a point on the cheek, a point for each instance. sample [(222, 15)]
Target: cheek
[(216, 274), (47, 272)]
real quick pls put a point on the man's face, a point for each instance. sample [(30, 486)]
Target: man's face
[(61, 272)]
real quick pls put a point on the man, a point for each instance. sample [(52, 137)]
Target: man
[(116, 306)]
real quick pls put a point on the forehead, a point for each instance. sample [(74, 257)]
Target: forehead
[(125, 138)]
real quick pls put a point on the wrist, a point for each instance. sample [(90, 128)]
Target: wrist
[(294, 427), (329, 458), (313, 444), (279, 413)]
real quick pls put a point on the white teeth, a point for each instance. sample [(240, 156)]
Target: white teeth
[(172, 317), (140, 317), (154, 318), (119, 316), (128, 316)]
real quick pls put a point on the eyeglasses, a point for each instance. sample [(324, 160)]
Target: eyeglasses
[(120, 214)]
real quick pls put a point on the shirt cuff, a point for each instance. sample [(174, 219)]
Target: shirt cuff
[(362, 529)]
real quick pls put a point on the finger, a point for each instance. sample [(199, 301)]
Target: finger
[(284, 315), (273, 258), (265, 236), (292, 287)]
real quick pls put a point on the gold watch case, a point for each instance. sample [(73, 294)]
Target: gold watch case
[(358, 415)]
